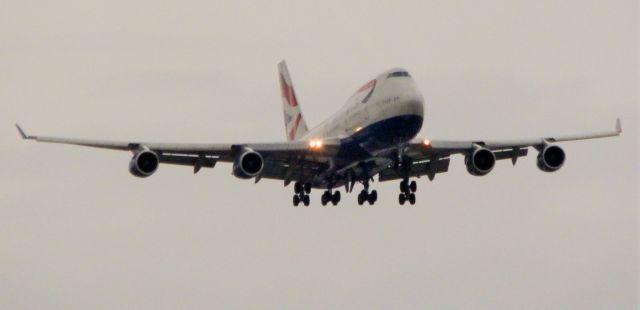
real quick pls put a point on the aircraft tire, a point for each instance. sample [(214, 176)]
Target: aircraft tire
[(361, 197), (335, 198), (404, 186), (325, 198), (373, 197)]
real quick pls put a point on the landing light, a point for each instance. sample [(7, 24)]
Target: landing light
[(358, 129), (426, 142), (315, 144)]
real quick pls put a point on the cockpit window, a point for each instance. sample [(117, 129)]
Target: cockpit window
[(398, 73)]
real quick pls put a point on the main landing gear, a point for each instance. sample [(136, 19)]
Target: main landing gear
[(301, 194), (407, 192), (366, 196), (327, 197)]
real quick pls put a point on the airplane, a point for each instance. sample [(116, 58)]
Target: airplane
[(373, 134)]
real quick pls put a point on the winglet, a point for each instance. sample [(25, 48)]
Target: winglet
[(23, 134), (618, 125)]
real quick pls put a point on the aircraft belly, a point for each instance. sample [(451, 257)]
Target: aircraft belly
[(379, 135)]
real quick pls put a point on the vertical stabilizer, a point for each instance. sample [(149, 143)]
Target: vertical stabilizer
[(294, 123)]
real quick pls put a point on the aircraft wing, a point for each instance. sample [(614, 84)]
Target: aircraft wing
[(278, 156), (432, 156)]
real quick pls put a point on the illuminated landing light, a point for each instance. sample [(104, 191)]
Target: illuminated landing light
[(358, 129), (426, 143), (315, 144)]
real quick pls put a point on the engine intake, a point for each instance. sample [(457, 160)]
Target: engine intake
[(551, 158), (248, 164), (144, 163), (480, 162)]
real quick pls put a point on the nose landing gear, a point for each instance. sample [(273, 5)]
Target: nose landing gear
[(407, 192), (327, 197), (301, 194), (366, 196)]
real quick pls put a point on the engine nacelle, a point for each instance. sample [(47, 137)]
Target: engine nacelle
[(550, 158), (144, 163), (480, 161), (248, 164)]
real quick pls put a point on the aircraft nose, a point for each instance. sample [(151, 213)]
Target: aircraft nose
[(415, 105), (409, 99), (413, 101)]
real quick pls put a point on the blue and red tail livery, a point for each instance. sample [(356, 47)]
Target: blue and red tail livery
[(294, 123)]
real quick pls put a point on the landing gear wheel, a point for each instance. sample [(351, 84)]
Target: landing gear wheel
[(335, 198), (324, 198), (404, 186), (296, 200), (412, 198), (401, 199), (413, 186), (307, 188), (297, 187), (373, 197), (362, 197), (305, 200)]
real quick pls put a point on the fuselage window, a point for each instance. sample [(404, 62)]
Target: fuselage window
[(398, 74)]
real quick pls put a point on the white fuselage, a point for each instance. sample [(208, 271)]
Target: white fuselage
[(384, 98)]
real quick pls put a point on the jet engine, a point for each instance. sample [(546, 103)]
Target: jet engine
[(550, 158), (248, 164), (480, 161), (144, 163)]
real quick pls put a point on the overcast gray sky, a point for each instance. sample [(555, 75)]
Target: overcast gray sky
[(78, 232)]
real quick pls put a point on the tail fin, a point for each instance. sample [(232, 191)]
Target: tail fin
[(293, 121)]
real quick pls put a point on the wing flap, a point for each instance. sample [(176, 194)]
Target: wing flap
[(197, 161), (290, 170), (418, 169), (511, 154)]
